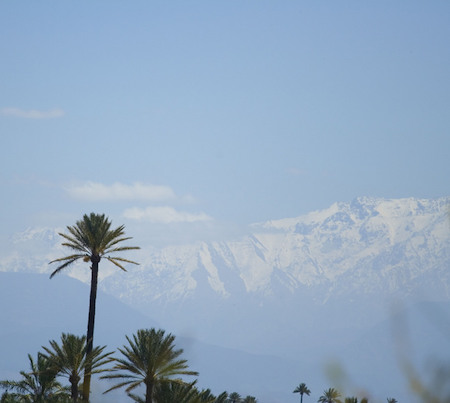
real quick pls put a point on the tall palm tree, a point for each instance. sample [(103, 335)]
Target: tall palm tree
[(330, 396), (38, 386), (71, 360), (303, 390), (150, 359), (93, 239)]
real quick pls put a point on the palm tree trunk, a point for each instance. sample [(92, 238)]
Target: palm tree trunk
[(90, 328), (74, 379), (149, 393)]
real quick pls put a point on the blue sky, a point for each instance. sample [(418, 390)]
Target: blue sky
[(200, 117)]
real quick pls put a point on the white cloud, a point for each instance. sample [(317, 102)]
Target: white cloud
[(164, 215), (94, 191), (32, 113)]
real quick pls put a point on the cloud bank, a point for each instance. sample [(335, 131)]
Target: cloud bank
[(94, 191), (32, 113), (165, 215)]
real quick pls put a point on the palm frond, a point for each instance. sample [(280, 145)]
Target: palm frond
[(70, 260), (122, 248), (134, 385)]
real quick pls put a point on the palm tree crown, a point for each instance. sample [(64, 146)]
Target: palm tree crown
[(303, 390), (70, 359), (330, 396), (149, 359), (93, 239), (234, 397)]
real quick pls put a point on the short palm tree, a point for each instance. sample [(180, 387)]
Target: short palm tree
[(150, 359), (170, 392), (249, 399), (92, 239), (234, 397), (330, 396), (70, 360), (303, 390), (351, 400), (391, 400), (38, 386)]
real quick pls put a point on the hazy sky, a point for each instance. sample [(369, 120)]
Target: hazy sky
[(179, 117)]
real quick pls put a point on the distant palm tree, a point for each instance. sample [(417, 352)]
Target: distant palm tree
[(330, 396), (351, 400), (70, 360), (234, 397), (303, 390), (92, 239), (37, 386), (249, 399), (391, 400), (150, 359)]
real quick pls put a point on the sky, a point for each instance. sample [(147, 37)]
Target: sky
[(185, 119)]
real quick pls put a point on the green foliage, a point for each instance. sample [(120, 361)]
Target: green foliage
[(234, 397), (37, 386), (71, 360), (222, 398), (150, 359), (330, 395), (91, 238)]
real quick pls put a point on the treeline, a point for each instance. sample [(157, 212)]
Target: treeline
[(332, 395)]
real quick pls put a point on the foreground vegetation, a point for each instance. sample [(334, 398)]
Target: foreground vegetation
[(150, 362)]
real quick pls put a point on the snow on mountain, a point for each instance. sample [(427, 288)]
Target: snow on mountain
[(370, 245), (367, 246)]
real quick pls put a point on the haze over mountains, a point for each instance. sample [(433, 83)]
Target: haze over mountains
[(303, 291)]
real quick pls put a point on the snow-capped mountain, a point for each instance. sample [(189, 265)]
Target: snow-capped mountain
[(367, 246)]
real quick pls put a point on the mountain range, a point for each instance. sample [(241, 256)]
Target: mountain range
[(333, 292)]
